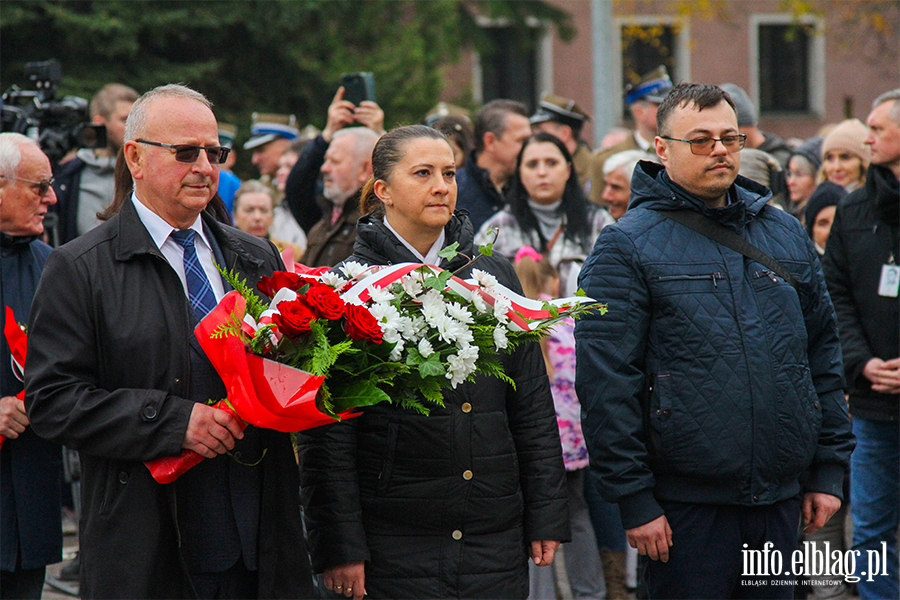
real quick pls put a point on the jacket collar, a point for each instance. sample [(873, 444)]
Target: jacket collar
[(377, 244), (133, 238), (883, 187), (652, 188)]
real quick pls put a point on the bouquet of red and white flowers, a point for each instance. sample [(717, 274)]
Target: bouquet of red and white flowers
[(332, 341), (397, 334)]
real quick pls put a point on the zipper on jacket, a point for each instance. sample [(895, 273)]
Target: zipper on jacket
[(715, 276), (766, 273)]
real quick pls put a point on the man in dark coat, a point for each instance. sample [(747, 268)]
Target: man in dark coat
[(342, 155), (861, 267), (115, 372), (30, 467), (501, 127), (711, 384)]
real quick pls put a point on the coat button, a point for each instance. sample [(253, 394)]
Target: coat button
[(467, 475), (756, 498), (149, 412), (178, 380), (466, 407), (123, 476), (457, 534)]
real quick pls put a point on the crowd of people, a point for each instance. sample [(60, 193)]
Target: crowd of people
[(750, 340)]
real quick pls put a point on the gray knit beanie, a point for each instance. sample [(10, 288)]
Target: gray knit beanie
[(746, 112)]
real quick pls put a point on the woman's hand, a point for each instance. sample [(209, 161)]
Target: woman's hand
[(542, 552), (347, 579)]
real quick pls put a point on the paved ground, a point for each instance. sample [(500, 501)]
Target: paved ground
[(70, 547)]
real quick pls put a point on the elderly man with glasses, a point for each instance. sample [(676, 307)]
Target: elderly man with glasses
[(30, 467), (115, 372), (713, 381)]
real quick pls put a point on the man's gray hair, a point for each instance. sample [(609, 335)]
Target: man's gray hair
[(137, 118), (627, 160), (364, 138), (10, 156), (894, 112)]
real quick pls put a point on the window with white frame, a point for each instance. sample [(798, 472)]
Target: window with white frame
[(787, 68)]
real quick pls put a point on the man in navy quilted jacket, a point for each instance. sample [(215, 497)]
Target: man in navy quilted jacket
[(712, 389)]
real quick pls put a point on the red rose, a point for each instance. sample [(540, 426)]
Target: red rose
[(325, 301), (281, 279), (294, 318), (360, 324)]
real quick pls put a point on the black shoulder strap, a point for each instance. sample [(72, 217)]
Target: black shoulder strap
[(706, 226)]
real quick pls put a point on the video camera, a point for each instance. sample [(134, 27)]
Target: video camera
[(57, 125)]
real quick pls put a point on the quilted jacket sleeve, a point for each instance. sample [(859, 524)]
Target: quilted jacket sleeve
[(610, 382), (836, 441)]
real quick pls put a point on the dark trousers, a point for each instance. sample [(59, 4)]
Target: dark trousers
[(710, 555), (24, 583), (236, 582)]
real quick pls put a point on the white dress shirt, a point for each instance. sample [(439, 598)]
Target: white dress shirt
[(432, 257), (174, 252)]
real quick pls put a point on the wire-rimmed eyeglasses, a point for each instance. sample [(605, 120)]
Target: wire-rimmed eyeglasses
[(43, 185), (705, 145)]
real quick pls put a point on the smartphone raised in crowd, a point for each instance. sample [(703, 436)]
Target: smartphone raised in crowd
[(359, 87)]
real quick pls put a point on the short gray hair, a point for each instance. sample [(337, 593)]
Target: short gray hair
[(137, 118), (10, 156), (364, 138), (894, 112), (627, 161)]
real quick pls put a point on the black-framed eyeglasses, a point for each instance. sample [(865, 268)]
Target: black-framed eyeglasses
[(188, 153), (43, 185), (705, 145)]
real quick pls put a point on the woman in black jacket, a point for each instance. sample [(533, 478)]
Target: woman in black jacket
[(452, 505)]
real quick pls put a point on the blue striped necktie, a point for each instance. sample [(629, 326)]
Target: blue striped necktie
[(200, 291)]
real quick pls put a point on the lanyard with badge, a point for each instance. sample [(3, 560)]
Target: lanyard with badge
[(889, 285)]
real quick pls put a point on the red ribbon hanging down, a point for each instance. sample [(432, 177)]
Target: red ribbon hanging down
[(17, 340), (262, 392)]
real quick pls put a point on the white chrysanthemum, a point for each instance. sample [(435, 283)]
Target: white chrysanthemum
[(484, 279), (460, 313), (392, 336), (500, 340), (413, 328), (464, 339), (480, 304), (353, 269), (425, 348), (501, 307), (397, 352), (457, 372), (380, 295), (450, 330), (387, 316), (333, 279), (461, 365), (470, 354), (433, 305), (411, 284)]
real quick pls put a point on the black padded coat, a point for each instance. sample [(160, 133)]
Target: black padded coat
[(442, 506)]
